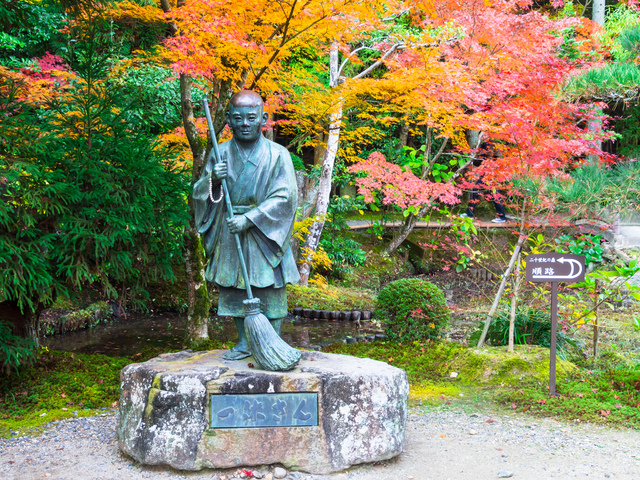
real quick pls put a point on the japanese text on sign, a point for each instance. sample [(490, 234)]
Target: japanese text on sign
[(555, 267), (264, 410)]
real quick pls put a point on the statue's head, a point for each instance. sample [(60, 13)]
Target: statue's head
[(246, 116)]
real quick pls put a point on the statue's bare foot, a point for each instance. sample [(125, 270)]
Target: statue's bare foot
[(239, 352)]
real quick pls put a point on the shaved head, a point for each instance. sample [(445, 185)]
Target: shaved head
[(246, 98), (246, 117)]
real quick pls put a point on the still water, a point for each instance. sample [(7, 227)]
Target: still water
[(128, 337)]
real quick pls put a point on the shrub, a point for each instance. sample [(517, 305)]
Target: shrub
[(412, 309), (344, 252)]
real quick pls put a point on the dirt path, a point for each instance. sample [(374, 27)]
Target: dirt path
[(440, 445)]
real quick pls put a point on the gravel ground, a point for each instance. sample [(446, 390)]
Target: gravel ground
[(440, 445)]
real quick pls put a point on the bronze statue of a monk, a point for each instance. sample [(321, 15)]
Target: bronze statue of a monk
[(263, 190)]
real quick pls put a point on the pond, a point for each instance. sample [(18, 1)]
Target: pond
[(128, 337)]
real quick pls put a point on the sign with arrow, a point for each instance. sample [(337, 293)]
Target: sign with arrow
[(553, 268)]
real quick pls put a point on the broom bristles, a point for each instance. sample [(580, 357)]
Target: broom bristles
[(269, 350)]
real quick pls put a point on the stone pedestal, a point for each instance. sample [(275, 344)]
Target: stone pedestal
[(193, 410)]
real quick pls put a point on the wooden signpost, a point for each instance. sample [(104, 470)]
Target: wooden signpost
[(554, 268)]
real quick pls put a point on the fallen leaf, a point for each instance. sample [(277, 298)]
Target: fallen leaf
[(443, 436), (542, 401), (514, 406), (251, 365), (64, 409), (490, 420), (605, 413), (114, 404), (579, 395), (100, 381), (64, 395), (616, 397)]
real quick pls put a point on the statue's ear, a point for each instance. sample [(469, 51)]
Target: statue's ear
[(227, 117), (265, 117)]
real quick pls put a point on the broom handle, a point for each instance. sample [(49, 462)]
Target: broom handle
[(216, 154)]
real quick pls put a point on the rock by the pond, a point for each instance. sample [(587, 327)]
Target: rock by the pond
[(279, 472), (166, 402)]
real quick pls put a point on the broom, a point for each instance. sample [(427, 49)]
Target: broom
[(269, 350)]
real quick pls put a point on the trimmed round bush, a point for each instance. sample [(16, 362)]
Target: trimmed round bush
[(412, 309)]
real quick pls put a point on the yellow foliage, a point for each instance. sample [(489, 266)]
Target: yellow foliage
[(318, 281)]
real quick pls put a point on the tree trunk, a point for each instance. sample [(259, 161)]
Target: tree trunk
[(514, 258), (514, 302), (197, 293), (404, 132), (25, 325), (598, 11), (407, 227), (324, 184), (596, 296), (496, 301)]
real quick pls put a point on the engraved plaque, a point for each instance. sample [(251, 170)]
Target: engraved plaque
[(264, 410)]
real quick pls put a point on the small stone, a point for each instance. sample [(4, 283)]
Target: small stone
[(504, 455), (474, 415), (453, 374), (505, 474), (279, 472), (257, 474), (473, 432), (607, 475), (269, 476)]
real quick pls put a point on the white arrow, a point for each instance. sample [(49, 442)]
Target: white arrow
[(565, 277)]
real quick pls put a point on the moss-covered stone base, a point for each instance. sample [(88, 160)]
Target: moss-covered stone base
[(165, 412)]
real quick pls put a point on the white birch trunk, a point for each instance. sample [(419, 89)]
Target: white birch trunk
[(324, 184), (598, 11)]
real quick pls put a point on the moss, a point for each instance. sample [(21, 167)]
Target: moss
[(432, 393), (329, 298), (197, 318), (58, 385), (78, 319), (495, 366)]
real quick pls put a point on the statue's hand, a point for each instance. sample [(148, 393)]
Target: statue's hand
[(219, 171), (239, 223)]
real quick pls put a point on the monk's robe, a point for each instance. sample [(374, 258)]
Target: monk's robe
[(264, 189)]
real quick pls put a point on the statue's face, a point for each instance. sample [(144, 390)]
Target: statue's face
[(246, 122)]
